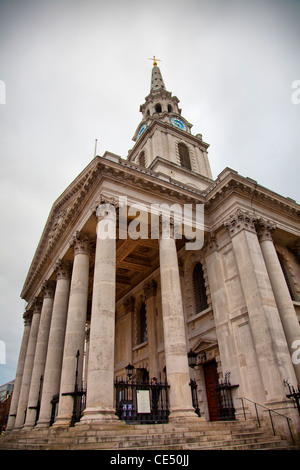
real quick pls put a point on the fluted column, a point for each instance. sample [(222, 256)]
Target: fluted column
[(75, 329), (100, 381), (40, 353), (52, 375), (19, 373), (27, 373), (283, 299), (260, 301), (174, 332)]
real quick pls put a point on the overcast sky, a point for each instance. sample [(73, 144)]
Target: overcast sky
[(78, 70)]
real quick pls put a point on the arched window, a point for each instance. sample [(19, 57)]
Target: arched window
[(142, 324), (286, 275), (200, 297), (184, 156), (169, 108), (158, 108), (142, 159)]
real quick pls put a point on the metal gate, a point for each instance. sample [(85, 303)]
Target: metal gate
[(141, 402)]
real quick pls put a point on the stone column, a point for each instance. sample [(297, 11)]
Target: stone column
[(100, 381), (27, 372), (174, 333), (283, 299), (260, 301), (52, 375), (150, 293), (40, 353), (75, 329), (19, 373)]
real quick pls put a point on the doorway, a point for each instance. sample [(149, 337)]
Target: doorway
[(211, 380)]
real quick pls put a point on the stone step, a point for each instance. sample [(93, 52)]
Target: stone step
[(188, 436)]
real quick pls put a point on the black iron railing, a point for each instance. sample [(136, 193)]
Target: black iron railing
[(141, 402), (79, 397), (270, 416), (294, 394), (194, 387), (226, 410)]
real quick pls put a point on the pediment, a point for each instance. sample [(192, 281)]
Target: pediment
[(203, 344)]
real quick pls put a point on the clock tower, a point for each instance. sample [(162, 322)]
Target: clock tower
[(164, 141)]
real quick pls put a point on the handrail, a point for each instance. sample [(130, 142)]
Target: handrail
[(270, 411)]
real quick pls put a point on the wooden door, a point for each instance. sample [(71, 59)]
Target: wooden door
[(211, 379)]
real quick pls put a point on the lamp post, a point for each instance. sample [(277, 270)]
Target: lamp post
[(129, 370)]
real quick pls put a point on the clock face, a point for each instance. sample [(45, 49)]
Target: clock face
[(141, 130), (178, 123)]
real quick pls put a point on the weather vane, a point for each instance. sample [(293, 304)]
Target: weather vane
[(154, 60)]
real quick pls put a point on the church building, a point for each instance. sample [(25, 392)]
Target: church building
[(158, 294)]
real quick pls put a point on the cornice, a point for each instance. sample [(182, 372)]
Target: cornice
[(232, 182)]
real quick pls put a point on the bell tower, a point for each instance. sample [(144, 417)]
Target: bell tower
[(163, 138)]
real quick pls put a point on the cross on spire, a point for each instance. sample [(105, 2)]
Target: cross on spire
[(154, 60)]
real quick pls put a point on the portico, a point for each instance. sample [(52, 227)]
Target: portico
[(107, 288)]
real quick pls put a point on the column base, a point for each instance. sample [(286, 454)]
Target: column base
[(28, 426), (63, 422), (96, 416), (183, 415), (42, 425)]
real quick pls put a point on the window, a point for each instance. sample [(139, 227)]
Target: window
[(286, 275), (200, 297), (169, 108), (184, 156), (158, 108), (142, 324)]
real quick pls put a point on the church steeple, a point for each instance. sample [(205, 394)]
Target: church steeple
[(163, 139), (157, 81)]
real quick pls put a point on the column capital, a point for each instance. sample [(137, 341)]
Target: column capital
[(129, 304), (36, 305), (210, 244), (82, 243), (296, 249), (150, 289), (98, 206), (48, 289), (265, 229), (240, 220), (62, 269), (27, 318)]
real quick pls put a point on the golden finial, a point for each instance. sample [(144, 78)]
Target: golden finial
[(154, 61)]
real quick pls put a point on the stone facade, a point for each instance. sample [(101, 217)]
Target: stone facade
[(96, 304)]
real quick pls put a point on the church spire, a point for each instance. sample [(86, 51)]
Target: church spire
[(157, 82), (163, 138)]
